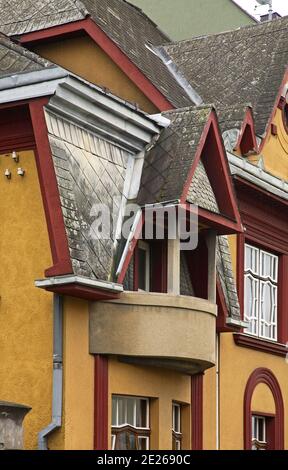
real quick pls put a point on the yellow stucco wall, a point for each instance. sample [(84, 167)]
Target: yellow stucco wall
[(275, 150), (77, 432), (83, 57), (209, 410), (237, 364), (25, 311), (164, 386)]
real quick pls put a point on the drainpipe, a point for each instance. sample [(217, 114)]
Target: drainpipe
[(57, 374)]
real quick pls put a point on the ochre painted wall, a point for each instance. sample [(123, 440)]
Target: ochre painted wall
[(25, 311), (164, 386), (77, 432), (209, 410), (83, 57), (237, 364), (275, 151)]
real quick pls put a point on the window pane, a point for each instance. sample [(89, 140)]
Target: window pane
[(114, 411), (260, 300), (126, 441), (143, 443), (142, 414), (176, 424), (122, 411), (130, 411)]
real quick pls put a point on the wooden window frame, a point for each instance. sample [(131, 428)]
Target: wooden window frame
[(177, 436), (258, 276), (139, 432)]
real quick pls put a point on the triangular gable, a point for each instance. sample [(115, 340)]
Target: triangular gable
[(113, 51), (212, 154), (247, 139)]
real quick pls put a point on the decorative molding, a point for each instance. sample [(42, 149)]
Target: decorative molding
[(260, 344), (264, 376), (92, 108)]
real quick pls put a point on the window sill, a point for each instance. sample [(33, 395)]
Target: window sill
[(262, 345)]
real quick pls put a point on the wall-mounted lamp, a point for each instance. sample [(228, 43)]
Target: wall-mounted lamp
[(15, 157), (8, 174), (21, 172)]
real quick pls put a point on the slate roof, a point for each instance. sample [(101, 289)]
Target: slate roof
[(15, 59), (237, 67), (169, 160), (125, 24)]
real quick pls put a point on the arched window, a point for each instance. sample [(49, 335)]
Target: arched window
[(257, 428)]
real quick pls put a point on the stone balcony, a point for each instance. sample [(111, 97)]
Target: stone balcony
[(161, 330)]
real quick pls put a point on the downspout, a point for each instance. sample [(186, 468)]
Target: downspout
[(57, 374)]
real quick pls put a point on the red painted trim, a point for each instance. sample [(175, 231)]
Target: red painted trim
[(55, 32), (50, 193), (197, 412), (111, 49), (247, 139), (283, 300), (251, 342), (264, 376), (213, 155), (101, 403), (222, 225), (240, 271), (82, 292), (266, 226)]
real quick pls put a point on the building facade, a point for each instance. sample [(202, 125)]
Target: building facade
[(189, 18), (129, 341)]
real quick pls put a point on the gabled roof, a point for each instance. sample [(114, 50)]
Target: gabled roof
[(125, 25), (169, 160), (246, 65), (186, 162), (15, 59)]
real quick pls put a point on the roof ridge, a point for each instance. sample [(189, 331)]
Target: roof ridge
[(142, 13)]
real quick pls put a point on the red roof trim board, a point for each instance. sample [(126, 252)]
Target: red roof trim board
[(50, 192), (211, 144), (247, 138), (110, 48)]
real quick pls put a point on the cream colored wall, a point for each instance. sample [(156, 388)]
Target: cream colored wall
[(163, 386), (25, 311), (83, 57), (77, 432), (237, 364)]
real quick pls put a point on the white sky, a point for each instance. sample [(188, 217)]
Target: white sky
[(281, 6)]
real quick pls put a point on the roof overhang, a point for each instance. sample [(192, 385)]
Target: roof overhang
[(81, 287)]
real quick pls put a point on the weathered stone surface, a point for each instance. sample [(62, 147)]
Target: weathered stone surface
[(11, 425)]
